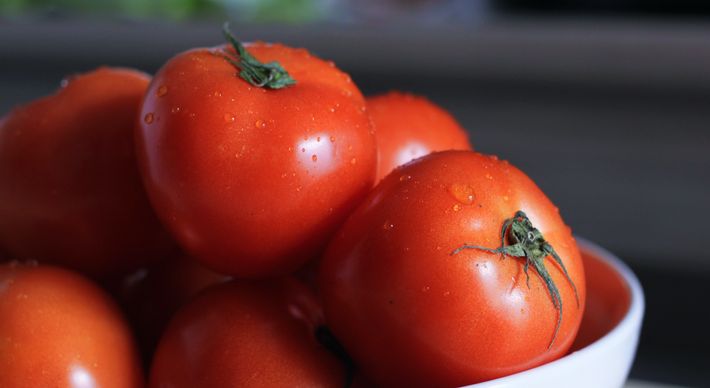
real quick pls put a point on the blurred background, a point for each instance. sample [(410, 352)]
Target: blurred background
[(605, 104)]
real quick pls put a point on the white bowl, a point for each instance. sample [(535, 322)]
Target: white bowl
[(602, 354)]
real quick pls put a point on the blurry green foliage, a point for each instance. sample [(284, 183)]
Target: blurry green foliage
[(290, 11)]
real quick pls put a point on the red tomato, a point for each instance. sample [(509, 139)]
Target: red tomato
[(413, 311), (60, 330), (409, 126), (252, 181), (151, 297), (248, 335), (70, 191)]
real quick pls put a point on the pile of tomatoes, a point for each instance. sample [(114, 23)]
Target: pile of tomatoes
[(247, 218)]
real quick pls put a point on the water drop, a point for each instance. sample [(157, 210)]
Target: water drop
[(457, 207), (303, 150), (405, 178), (505, 198), (353, 161), (318, 139), (175, 109), (463, 193), (163, 90), (260, 124), (148, 118), (314, 157), (489, 177), (332, 139), (388, 226), (229, 118)]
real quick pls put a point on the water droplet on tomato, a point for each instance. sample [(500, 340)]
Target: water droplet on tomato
[(462, 192), (332, 139), (148, 118), (260, 124), (162, 90), (388, 226), (405, 178), (229, 118), (457, 207), (318, 139), (314, 157), (175, 109), (489, 177), (353, 161), (303, 150)]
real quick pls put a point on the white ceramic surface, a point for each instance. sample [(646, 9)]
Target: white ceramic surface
[(604, 363)]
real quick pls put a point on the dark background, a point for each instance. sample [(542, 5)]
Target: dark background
[(605, 104)]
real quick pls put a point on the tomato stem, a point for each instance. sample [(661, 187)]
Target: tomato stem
[(269, 75), (528, 242)]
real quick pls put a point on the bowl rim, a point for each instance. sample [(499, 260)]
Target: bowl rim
[(627, 326)]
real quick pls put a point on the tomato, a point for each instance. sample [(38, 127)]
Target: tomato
[(249, 335), (411, 290), (409, 126), (60, 330), (151, 297), (253, 181), (70, 191)]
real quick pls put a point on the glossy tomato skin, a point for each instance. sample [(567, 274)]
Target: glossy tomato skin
[(61, 330), (248, 335), (253, 182), (408, 126), (413, 314), (150, 297), (70, 190)]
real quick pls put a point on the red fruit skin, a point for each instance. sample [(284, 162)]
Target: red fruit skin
[(411, 313), (253, 182), (60, 330), (246, 334), (408, 126), (70, 190), (151, 297)]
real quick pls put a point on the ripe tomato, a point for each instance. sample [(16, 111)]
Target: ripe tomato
[(414, 310), (70, 191), (249, 335), (60, 330), (252, 181), (151, 297), (409, 126)]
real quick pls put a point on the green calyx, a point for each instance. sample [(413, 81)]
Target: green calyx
[(526, 241), (269, 75)]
